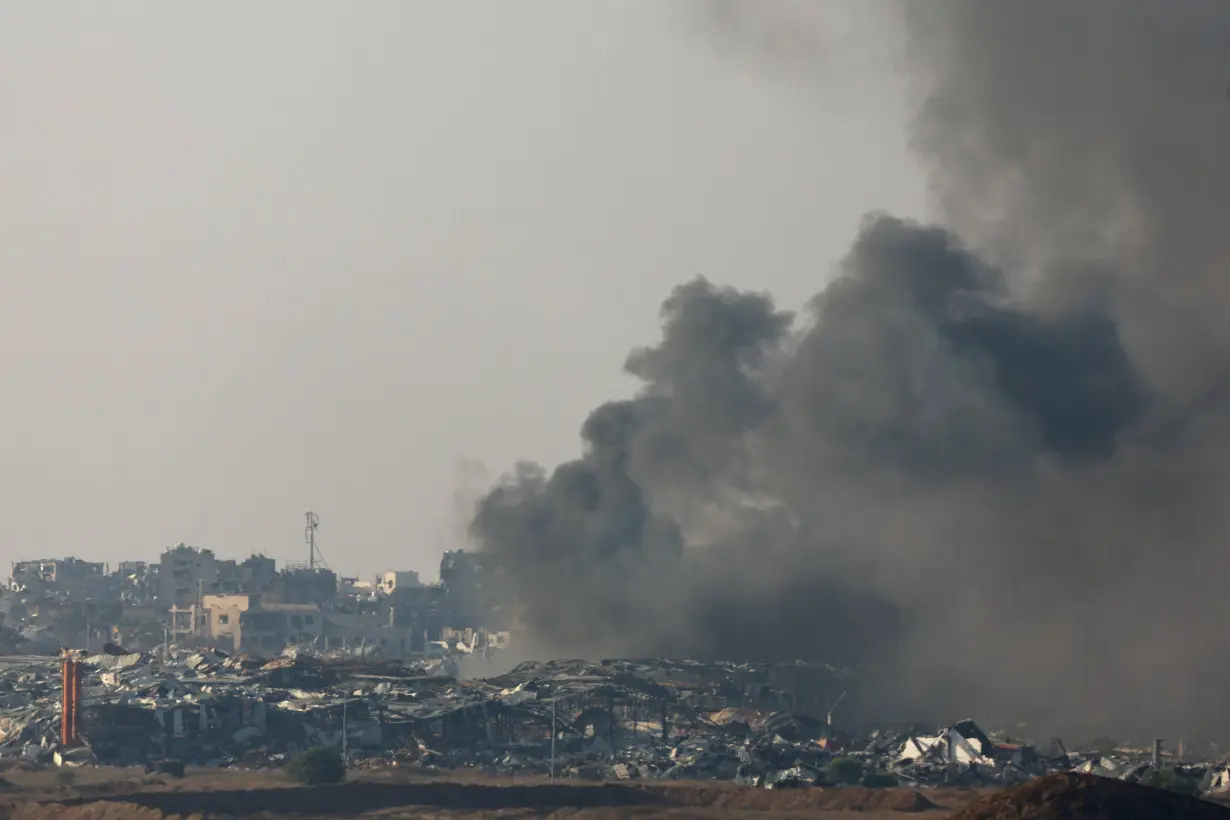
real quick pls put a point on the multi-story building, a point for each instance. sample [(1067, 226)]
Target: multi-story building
[(58, 575), (135, 583), (269, 628), (257, 574), (80, 621), (301, 585), (421, 611), (223, 613), (393, 580), (370, 633), (185, 574), (244, 623), (473, 593)]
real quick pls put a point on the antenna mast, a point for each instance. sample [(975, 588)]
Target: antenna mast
[(309, 535)]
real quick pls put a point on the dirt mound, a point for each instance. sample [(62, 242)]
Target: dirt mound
[(101, 810), (847, 798), (350, 799), (357, 798), (907, 801), (874, 800), (1085, 797)]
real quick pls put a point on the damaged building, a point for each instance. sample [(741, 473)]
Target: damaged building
[(193, 597), (758, 725)]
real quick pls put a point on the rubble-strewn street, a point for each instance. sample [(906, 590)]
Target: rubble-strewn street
[(616, 720)]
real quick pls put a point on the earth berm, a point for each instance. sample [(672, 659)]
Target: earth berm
[(1086, 797)]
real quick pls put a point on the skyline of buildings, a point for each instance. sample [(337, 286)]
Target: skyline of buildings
[(192, 596)]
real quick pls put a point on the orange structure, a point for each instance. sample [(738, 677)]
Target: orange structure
[(71, 708)]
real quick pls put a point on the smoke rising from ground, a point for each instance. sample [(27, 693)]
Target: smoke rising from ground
[(1011, 427)]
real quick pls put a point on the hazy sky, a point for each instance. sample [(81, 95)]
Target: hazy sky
[(265, 257)]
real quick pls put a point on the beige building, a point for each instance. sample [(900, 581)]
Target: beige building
[(222, 616), (242, 623), (394, 580)]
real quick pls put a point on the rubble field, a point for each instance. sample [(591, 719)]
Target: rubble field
[(764, 726), (204, 734)]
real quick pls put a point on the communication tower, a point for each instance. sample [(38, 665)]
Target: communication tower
[(309, 535)]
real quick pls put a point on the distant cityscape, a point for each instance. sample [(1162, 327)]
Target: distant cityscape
[(192, 597)]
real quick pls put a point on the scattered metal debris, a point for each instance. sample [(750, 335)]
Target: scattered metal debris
[(622, 720)]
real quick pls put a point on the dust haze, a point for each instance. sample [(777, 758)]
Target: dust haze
[(1000, 438)]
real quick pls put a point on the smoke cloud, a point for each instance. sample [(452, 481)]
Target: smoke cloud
[(998, 445)]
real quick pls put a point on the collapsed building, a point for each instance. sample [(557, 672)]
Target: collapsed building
[(64, 573), (211, 707), (761, 725)]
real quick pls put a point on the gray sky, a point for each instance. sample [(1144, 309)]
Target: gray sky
[(260, 258)]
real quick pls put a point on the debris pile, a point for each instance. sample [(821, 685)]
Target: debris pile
[(210, 708), (615, 719)]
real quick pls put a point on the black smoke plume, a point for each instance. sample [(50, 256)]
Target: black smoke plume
[(998, 444)]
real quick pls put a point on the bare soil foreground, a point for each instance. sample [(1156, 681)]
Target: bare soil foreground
[(1081, 796), (109, 794)]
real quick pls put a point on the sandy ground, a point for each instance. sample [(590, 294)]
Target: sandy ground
[(115, 794)]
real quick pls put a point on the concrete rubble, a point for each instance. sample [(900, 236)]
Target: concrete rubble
[(613, 720)]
